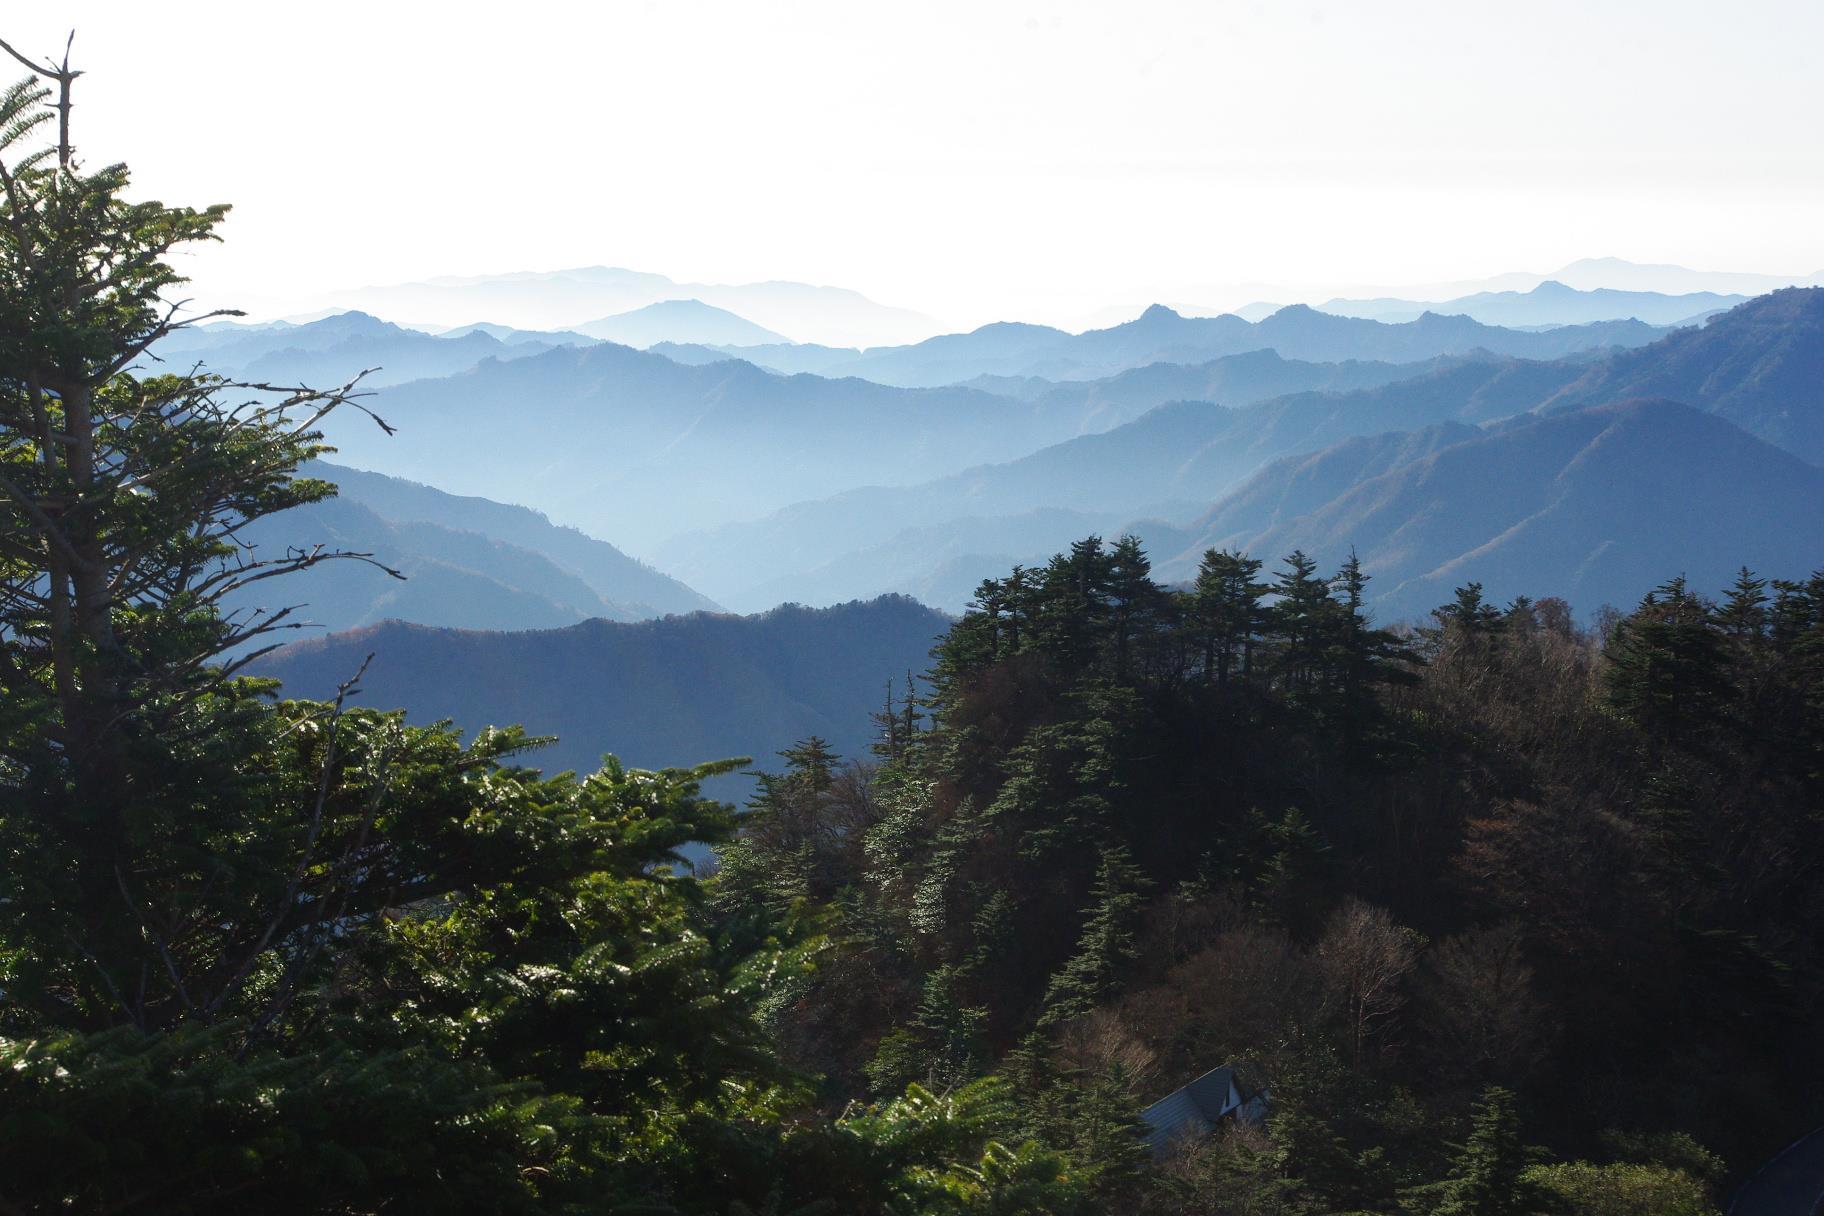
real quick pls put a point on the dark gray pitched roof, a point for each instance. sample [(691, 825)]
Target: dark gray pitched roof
[(1190, 1111)]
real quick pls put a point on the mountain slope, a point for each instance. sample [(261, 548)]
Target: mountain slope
[(1591, 505), (675, 691), (610, 575), (452, 577), (1760, 365)]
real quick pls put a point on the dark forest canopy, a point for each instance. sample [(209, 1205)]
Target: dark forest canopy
[(1392, 877)]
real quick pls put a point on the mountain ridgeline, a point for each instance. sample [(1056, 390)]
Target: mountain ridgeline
[(1752, 368), (658, 694)]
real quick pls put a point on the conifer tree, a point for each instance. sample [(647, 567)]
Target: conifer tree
[(1107, 944), (1487, 1178), (1302, 615), (1226, 613), (1667, 667)]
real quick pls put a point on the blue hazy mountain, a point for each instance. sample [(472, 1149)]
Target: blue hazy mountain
[(330, 351), (1551, 303), (1160, 335), (1241, 379), (468, 562), (452, 577), (632, 445), (611, 575), (679, 321), (1760, 365), (786, 358), (674, 691), (1233, 380), (1174, 461), (563, 299), (1591, 505), (1757, 365), (513, 337)]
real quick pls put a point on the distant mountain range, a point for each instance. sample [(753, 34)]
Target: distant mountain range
[(759, 487), (564, 299), (328, 352), (1756, 366), (1591, 505), (1607, 274), (1549, 304), (670, 692), (1591, 274), (679, 321), (634, 446), (1160, 335), (1170, 463)]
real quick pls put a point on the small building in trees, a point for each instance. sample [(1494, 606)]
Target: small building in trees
[(1194, 1110)]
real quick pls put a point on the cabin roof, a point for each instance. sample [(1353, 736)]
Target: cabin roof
[(1191, 1110)]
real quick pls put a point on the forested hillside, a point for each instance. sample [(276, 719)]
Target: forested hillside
[(1760, 365), (657, 693), (1499, 877), (1589, 505)]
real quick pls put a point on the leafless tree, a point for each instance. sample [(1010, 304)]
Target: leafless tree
[(1364, 958)]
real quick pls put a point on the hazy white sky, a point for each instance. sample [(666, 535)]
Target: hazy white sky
[(969, 159)]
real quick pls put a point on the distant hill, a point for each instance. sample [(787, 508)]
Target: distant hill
[(560, 299), (677, 691), (681, 321), (1592, 505), (328, 352), (1619, 273), (941, 564), (786, 358), (1233, 380), (1242, 379), (452, 577), (511, 336), (635, 588), (1160, 335), (1760, 365), (1550, 303)]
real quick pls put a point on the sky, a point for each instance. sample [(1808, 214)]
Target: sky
[(970, 160)]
